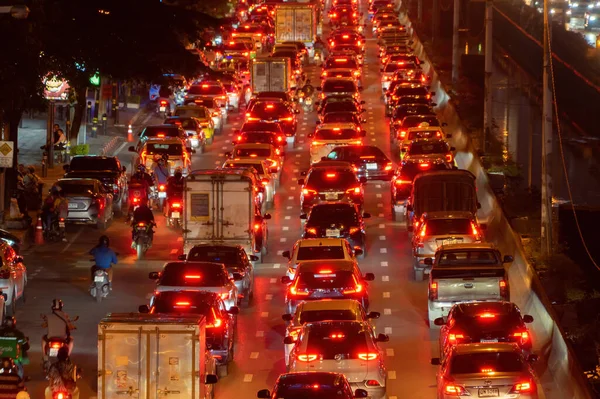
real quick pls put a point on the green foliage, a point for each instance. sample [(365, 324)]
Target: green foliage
[(80, 149)]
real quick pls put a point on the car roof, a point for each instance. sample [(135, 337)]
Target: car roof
[(338, 125), (427, 128), (311, 266), (466, 349), (320, 242), (448, 215), (473, 245), (254, 145), (309, 377), (166, 140), (337, 324), (162, 126), (183, 264), (470, 309), (329, 304)]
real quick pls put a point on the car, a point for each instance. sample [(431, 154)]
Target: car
[(368, 160), (345, 104), (318, 249), (274, 112), (428, 149), (484, 322), (220, 322), (268, 152), (276, 139), (153, 149), (400, 128), (10, 239), (162, 131), (404, 110), (234, 93), (13, 279), (238, 47), (490, 370), (411, 90), (323, 310), (203, 115), (349, 347), (340, 219), (343, 117), (268, 175), (330, 135), (234, 258), (196, 137), (390, 69), (442, 228), (253, 30), (342, 62), (216, 105), (423, 131), (331, 181), (313, 384), (197, 276), (342, 73), (339, 86), (338, 16), (89, 202), (106, 169)]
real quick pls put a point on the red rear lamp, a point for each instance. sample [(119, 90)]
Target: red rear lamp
[(182, 303), (307, 357), (337, 336), (176, 205), (368, 356), (487, 316), (192, 277), (424, 165)]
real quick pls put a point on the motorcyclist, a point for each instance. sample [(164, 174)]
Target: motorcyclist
[(59, 327), (62, 376), (49, 207), (104, 258), (174, 187), (139, 186), (12, 385), (161, 170), (142, 214), (321, 46), (9, 330)]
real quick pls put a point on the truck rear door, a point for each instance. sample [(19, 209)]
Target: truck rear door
[(468, 284), (119, 359), (235, 210), (200, 210)]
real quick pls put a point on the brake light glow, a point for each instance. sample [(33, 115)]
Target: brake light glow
[(307, 357), (206, 86), (224, 295), (503, 288), (400, 182), (433, 290), (331, 175), (192, 277), (372, 383), (453, 338), (524, 335), (56, 345), (403, 134), (345, 36), (522, 387), (487, 316), (311, 230), (388, 166), (337, 336), (368, 356), (474, 229), (454, 390), (182, 303), (449, 158), (341, 60), (325, 271), (354, 230), (141, 224), (163, 103), (424, 165), (307, 191), (256, 226), (269, 106)]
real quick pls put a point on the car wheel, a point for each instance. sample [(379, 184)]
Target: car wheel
[(12, 308), (419, 274)]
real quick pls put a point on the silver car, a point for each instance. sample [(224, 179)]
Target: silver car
[(499, 371), (89, 202), (347, 347)]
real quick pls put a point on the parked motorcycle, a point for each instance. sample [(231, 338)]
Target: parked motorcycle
[(142, 238)]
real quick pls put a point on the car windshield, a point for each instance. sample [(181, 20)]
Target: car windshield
[(331, 179), (93, 163), (411, 169), (309, 316), (403, 111), (439, 227), (187, 124), (329, 340), (427, 147), (468, 257), (257, 166), (225, 255), (160, 131), (252, 152), (329, 280), (76, 188), (424, 134), (340, 117), (328, 214), (259, 138), (486, 362), (320, 252), (205, 89), (160, 148), (196, 112), (193, 276), (337, 134), (332, 86)]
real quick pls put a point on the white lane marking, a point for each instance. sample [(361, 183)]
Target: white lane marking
[(285, 228), (382, 226), (269, 297), (288, 217), (392, 397), (230, 135), (276, 265), (387, 330), (384, 264), (296, 163), (221, 154), (260, 333), (254, 355), (378, 195), (75, 237), (301, 141), (295, 170), (289, 207), (217, 162), (373, 140), (264, 314), (291, 197), (381, 215), (381, 238), (385, 278), (280, 252), (298, 155), (272, 280), (247, 377), (224, 147), (372, 133), (389, 352), (301, 148), (294, 179), (386, 294), (378, 186), (391, 375), (386, 311), (228, 141), (383, 250), (293, 187), (379, 205), (282, 239)]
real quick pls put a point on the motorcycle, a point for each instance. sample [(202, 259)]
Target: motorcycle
[(174, 211), (163, 107), (318, 58), (300, 97), (100, 286), (136, 193), (161, 195), (56, 231), (52, 347), (308, 104), (61, 395), (142, 238)]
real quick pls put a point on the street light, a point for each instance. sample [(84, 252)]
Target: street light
[(20, 11)]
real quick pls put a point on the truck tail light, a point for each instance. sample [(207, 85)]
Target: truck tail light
[(388, 167), (311, 230), (451, 389), (449, 158), (353, 190), (402, 134), (433, 290)]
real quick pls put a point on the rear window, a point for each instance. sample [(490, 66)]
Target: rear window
[(198, 112), (334, 214), (337, 106), (481, 257), (310, 316), (252, 152), (330, 340), (418, 148), (93, 163), (184, 123), (207, 102), (261, 127), (326, 279), (358, 153), (205, 89), (410, 91), (320, 252), (476, 363), (410, 169), (438, 227), (332, 179), (333, 86), (250, 29), (259, 138), (340, 117), (268, 110), (416, 120), (225, 255), (156, 131), (205, 276), (76, 188), (183, 306), (337, 134), (340, 74), (257, 166), (304, 387), (417, 110), (394, 66), (159, 148)]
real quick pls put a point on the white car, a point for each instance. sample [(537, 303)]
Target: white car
[(317, 249), (268, 152), (263, 169), (327, 136), (13, 279)]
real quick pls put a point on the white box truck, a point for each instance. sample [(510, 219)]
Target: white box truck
[(146, 356), (224, 206), (297, 22), (271, 74)]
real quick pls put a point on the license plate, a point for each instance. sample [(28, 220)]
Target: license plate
[(73, 205), (162, 109), (371, 166), (162, 194), (488, 341), (331, 196), (98, 279), (450, 242), (175, 215), (489, 392), (61, 224), (53, 352), (332, 232)]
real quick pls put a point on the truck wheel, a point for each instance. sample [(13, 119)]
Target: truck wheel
[(222, 370), (419, 274)]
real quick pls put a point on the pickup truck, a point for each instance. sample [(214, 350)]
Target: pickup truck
[(460, 273)]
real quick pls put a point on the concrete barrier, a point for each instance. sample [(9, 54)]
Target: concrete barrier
[(559, 373)]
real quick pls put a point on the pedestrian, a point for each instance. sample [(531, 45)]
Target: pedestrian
[(32, 182), (61, 204), (21, 201)]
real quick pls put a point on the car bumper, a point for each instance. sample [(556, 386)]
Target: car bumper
[(376, 174), (81, 218)]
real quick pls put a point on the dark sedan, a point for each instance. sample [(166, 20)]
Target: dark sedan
[(368, 160)]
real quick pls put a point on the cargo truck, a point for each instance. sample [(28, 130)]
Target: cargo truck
[(146, 356), (297, 22), (225, 206), (271, 74)]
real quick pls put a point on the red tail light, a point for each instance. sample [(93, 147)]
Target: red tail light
[(295, 292), (449, 158), (307, 357), (163, 103), (503, 285), (176, 205), (523, 387), (424, 165), (60, 395), (423, 231), (256, 226), (372, 383), (311, 230), (451, 389), (354, 190), (523, 335), (192, 277), (141, 224), (400, 182), (402, 134), (182, 303), (56, 345), (368, 356), (136, 200), (433, 290), (308, 191), (388, 167), (354, 230), (455, 338), (162, 187), (215, 324), (474, 230)]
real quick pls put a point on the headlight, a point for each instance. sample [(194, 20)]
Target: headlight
[(593, 18)]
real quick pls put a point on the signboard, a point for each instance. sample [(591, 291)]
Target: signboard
[(107, 91), (6, 154), (55, 88), (95, 80), (200, 207)]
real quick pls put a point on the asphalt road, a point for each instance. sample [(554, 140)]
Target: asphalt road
[(61, 271)]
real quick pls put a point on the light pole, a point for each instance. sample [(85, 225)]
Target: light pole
[(20, 11)]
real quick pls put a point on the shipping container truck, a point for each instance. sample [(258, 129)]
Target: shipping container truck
[(271, 74), (146, 356), (297, 22)]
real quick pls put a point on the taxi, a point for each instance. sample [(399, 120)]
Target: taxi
[(202, 115), (268, 152), (423, 131), (264, 171), (330, 135), (153, 149)]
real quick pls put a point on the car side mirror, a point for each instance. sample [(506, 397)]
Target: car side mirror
[(382, 338), (366, 215), (267, 216), (286, 280), (527, 319), (363, 180), (435, 361), (237, 277), (153, 275), (234, 309), (373, 315), (300, 182), (131, 149), (303, 216), (532, 358), (289, 340), (507, 259), (369, 277), (253, 258), (361, 393), (143, 309), (428, 261), (286, 254), (287, 317), (211, 379), (439, 321), (182, 257), (264, 394), (452, 148), (449, 136)]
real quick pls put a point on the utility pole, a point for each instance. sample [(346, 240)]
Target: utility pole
[(546, 236), (487, 105), (455, 53)]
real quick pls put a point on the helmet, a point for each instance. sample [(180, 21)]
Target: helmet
[(141, 168), (55, 189), (104, 241), (23, 395), (178, 172), (57, 304), (10, 322)]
